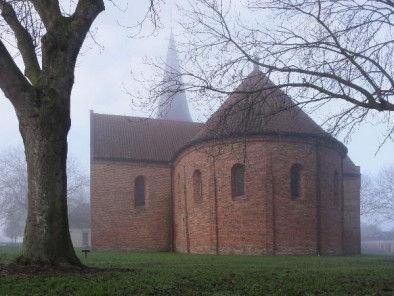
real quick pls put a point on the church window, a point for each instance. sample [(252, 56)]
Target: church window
[(238, 180), (139, 191), (197, 186), (295, 181)]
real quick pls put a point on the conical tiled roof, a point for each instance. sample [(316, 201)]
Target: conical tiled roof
[(258, 107)]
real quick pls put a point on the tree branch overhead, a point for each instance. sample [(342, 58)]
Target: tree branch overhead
[(24, 42)]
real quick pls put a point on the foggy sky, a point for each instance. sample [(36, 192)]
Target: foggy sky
[(104, 74)]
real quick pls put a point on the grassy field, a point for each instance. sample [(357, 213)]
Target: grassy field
[(176, 274)]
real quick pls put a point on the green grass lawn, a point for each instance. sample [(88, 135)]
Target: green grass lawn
[(177, 274)]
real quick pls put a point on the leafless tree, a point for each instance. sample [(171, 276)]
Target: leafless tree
[(14, 226), (44, 37), (13, 193), (13, 190), (318, 52), (368, 204), (374, 232), (377, 196)]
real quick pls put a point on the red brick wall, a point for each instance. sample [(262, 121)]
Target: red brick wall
[(331, 206), (194, 220), (295, 225), (352, 241), (266, 220), (116, 222)]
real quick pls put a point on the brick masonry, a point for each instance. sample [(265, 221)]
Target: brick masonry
[(266, 220), (352, 239), (116, 222)]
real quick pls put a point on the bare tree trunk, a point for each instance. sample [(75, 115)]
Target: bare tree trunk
[(41, 98), (47, 238)]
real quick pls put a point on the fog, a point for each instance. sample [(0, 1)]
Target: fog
[(104, 76)]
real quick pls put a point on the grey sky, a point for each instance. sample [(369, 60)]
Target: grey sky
[(103, 74)]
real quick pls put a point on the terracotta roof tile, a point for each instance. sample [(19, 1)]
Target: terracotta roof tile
[(137, 138), (257, 106)]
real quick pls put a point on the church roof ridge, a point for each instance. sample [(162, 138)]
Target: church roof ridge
[(142, 118)]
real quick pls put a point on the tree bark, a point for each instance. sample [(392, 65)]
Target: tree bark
[(41, 98), (47, 239)]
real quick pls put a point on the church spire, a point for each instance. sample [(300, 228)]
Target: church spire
[(173, 103)]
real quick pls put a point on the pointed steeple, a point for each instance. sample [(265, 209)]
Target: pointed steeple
[(173, 103)]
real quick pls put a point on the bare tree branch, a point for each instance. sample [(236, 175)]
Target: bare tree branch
[(12, 81), (322, 53), (24, 42), (49, 11), (81, 21)]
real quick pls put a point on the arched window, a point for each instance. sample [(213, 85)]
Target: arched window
[(336, 188), (238, 180), (197, 186), (139, 191), (295, 181)]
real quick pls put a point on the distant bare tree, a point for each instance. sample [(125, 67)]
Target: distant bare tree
[(13, 186), (14, 225), (79, 215), (13, 190), (374, 232), (377, 196), (319, 52), (368, 205)]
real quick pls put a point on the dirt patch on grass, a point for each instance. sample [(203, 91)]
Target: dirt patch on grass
[(19, 269)]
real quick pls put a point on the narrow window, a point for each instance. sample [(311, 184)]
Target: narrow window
[(238, 180), (295, 181), (139, 191), (197, 186), (336, 188)]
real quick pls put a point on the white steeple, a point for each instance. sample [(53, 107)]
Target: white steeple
[(173, 103)]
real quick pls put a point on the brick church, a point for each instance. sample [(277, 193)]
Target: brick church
[(259, 177)]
